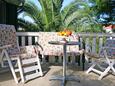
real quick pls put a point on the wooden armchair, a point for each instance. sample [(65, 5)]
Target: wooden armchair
[(106, 56), (26, 57)]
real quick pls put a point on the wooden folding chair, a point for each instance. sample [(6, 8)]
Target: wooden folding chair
[(26, 57), (106, 56)]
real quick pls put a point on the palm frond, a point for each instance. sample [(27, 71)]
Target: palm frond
[(47, 12), (72, 7), (77, 14), (27, 25), (33, 12), (56, 16)]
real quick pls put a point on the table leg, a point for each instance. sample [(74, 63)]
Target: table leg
[(83, 62), (64, 63), (64, 78)]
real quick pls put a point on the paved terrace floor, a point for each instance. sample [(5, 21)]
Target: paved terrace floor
[(6, 78)]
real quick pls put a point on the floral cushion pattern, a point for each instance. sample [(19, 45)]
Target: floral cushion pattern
[(111, 44), (28, 51), (8, 36), (49, 49)]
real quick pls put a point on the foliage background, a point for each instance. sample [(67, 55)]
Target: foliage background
[(79, 15)]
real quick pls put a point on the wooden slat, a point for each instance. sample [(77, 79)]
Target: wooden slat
[(27, 33), (34, 75), (30, 68), (95, 34), (23, 41), (17, 70), (94, 45), (36, 39), (28, 61), (100, 43), (81, 41), (97, 71), (29, 40), (87, 44), (17, 38)]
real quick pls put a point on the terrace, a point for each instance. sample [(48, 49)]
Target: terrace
[(78, 62), (51, 66), (86, 80)]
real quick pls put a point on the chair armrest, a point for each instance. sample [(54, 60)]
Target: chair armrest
[(82, 51), (88, 53), (39, 48), (88, 49), (27, 49), (38, 45), (32, 49), (5, 46)]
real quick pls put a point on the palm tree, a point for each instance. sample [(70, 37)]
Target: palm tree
[(46, 18), (89, 20), (51, 16), (85, 21), (78, 15)]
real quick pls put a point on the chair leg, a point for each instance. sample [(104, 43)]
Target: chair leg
[(40, 69), (107, 70), (111, 65), (20, 70), (113, 69), (2, 64), (11, 66), (104, 73), (90, 69), (83, 61), (2, 61), (79, 60)]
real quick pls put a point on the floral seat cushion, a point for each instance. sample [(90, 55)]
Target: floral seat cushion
[(26, 52), (8, 36), (110, 44)]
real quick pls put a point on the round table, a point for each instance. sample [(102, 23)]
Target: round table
[(64, 44)]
